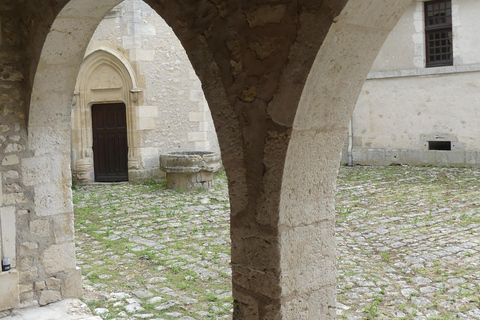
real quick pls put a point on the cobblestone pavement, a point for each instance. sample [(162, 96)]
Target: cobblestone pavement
[(408, 247), (408, 243)]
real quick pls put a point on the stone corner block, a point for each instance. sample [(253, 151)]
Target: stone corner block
[(9, 293), (58, 258), (49, 296), (73, 284)]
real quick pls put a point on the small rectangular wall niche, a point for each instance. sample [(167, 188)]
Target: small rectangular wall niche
[(440, 145)]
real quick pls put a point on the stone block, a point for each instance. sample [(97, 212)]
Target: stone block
[(196, 95), (196, 116), (312, 304), (27, 300), (39, 170), (10, 160), (28, 248), (359, 155), (11, 175), (300, 268), (456, 157), (375, 156), (441, 157), (9, 294), (49, 296), (296, 308), (322, 302), (428, 157), (392, 156), (244, 306), (25, 287), (130, 42), (142, 55), (145, 29), (146, 123), (54, 283), (40, 228), (13, 198), (58, 258), (471, 157), (63, 227), (8, 233), (197, 136), (44, 139), (148, 111), (202, 145), (25, 263), (266, 283), (1, 191), (52, 199), (40, 285), (411, 156), (254, 251), (73, 283), (29, 275)]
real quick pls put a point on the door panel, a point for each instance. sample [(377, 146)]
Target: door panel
[(110, 149)]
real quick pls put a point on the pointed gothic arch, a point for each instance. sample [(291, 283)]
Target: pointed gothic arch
[(105, 77)]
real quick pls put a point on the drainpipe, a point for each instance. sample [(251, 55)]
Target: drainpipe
[(350, 142)]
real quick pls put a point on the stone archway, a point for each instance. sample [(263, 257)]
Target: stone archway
[(253, 60), (104, 77)]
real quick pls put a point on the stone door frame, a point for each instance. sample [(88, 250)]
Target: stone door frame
[(87, 94)]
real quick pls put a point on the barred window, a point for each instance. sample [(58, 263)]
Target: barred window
[(438, 33)]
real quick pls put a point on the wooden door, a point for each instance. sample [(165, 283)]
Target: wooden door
[(110, 150)]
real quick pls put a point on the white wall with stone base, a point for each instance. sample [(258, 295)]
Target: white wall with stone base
[(403, 105)]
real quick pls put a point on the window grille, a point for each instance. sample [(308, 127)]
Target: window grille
[(438, 33)]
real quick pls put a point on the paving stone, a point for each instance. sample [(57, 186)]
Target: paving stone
[(166, 305)]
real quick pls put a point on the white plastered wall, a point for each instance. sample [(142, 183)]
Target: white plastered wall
[(403, 104)]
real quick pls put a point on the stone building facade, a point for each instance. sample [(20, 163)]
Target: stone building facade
[(281, 79), (134, 61), (411, 111)]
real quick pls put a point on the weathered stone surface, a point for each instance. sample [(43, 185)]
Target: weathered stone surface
[(52, 199), (40, 285), (8, 233), (73, 283), (49, 296), (54, 283), (63, 227), (9, 295), (28, 248), (58, 257), (40, 228)]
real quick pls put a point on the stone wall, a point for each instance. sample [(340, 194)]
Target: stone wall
[(172, 113), (403, 105), (15, 198)]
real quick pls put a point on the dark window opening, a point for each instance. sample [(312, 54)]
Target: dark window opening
[(438, 33), (440, 145)]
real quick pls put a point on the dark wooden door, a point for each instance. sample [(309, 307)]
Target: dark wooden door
[(110, 150)]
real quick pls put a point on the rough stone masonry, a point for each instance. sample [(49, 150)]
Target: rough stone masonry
[(281, 79)]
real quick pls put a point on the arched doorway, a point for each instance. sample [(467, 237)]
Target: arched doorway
[(107, 83)]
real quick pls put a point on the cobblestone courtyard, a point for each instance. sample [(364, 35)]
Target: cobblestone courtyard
[(408, 242)]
